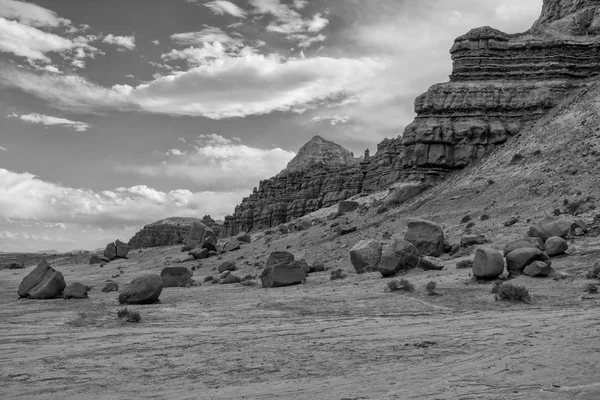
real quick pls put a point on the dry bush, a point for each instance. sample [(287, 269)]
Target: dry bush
[(513, 292), (401, 284), (131, 316), (337, 274), (594, 272), (430, 288), (496, 287), (110, 287), (591, 288), (464, 264)]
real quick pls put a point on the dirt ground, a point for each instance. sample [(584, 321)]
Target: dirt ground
[(342, 339)]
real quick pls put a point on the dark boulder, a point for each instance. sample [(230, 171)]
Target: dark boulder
[(198, 235), (345, 229), (431, 264), (365, 256), (176, 277), (227, 266), (76, 291), (317, 267), (550, 227), (144, 289), (524, 243), (244, 237), (95, 259), (122, 249), (556, 246), (283, 274), (44, 282), (15, 265), (538, 269), (400, 255), (232, 245), (488, 263), (111, 251), (427, 237), (278, 257), (517, 260), (347, 206), (472, 240)]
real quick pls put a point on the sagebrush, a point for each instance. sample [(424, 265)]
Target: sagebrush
[(129, 315), (401, 284), (512, 292)]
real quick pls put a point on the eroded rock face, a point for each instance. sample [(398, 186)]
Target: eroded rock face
[(168, 232)]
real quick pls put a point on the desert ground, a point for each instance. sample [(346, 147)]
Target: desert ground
[(325, 339)]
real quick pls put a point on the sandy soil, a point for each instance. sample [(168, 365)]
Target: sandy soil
[(343, 339)]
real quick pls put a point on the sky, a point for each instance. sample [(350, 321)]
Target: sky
[(116, 114)]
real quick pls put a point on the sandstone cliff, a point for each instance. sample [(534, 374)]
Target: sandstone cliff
[(501, 84), (168, 232)]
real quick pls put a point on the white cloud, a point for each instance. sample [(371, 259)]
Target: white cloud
[(176, 152), (225, 7), (332, 119), (30, 14), (123, 42), (219, 163), (300, 4), (3, 148), (206, 35), (52, 121), (317, 23), (156, 42)]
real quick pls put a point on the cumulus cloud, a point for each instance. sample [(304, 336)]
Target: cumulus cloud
[(30, 14), (218, 163), (122, 42), (48, 120), (332, 119), (225, 7), (207, 35), (3, 148)]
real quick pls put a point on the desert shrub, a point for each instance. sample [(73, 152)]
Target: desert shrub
[(513, 292), (337, 274), (122, 313), (470, 225), (496, 287), (401, 284), (594, 272), (110, 287), (464, 264), (484, 217), (465, 219), (130, 316), (591, 288), (517, 158), (430, 288)]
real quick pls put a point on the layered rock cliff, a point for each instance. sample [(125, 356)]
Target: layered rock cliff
[(500, 85), (168, 232)]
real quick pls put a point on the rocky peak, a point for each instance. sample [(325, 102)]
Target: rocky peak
[(321, 151), (575, 17)]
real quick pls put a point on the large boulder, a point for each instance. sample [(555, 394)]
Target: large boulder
[(318, 266), (198, 235), (488, 263), (401, 194), (122, 249), (279, 257), (144, 289), (199, 254), (347, 206), (176, 277), (95, 259), (244, 237), (550, 227), (365, 256), (427, 236), (556, 246), (398, 256), (76, 291), (431, 264), (345, 229), (111, 251), (524, 243), (232, 245), (283, 274), (538, 269), (44, 282), (305, 266), (227, 266), (517, 260)]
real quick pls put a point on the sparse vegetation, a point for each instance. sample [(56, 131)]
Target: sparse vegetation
[(496, 287), (130, 316), (110, 287), (464, 264), (337, 274), (513, 293), (591, 288), (401, 284), (594, 272), (430, 288)]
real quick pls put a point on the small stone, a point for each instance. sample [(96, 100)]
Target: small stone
[(538, 269)]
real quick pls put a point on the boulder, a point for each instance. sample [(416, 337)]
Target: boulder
[(306, 224), (283, 229), (122, 249), (365, 256), (472, 240), (197, 235), (488, 263), (556, 246), (550, 227), (431, 264), (427, 237), (144, 289), (95, 259), (227, 266), (578, 228), (402, 194), (15, 265), (344, 229), (232, 245), (199, 254), (44, 282), (104, 259), (111, 251), (76, 291), (398, 256), (176, 277), (279, 257), (283, 274), (243, 237), (518, 259), (110, 286), (229, 279), (347, 206), (538, 269), (524, 243), (317, 267), (210, 244)]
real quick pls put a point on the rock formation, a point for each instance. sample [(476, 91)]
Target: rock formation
[(168, 232), (500, 85)]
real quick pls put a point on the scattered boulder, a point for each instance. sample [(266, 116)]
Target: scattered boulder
[(556, 246), (427, 237), (199, 254), (488, 263), (518, 259), (304, 266), (365, 256), (144, 289), (95, 259), (511, 221), (111, 286), (401, 194), (538, 269), (122, 249), (317, 267), (345, 229), (244, 237), (279, 257), (15, 265), (111, 251), (347, 206), (227, 266), (209, 245), (578, 228), (230, 279), (429, 263), (524, 243), (44, 282), (176, 277), (472, 240), (232, 245), (398, 256), (76, 291), (283, 274), (550, 227), (198, 234)]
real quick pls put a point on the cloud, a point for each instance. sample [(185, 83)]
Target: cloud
[(123, 42), (332, 119), (206, 35), (156, 42), (225, 7), (300, 4), (52, 121), (3, 148), (218, 163), (30, 14)]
